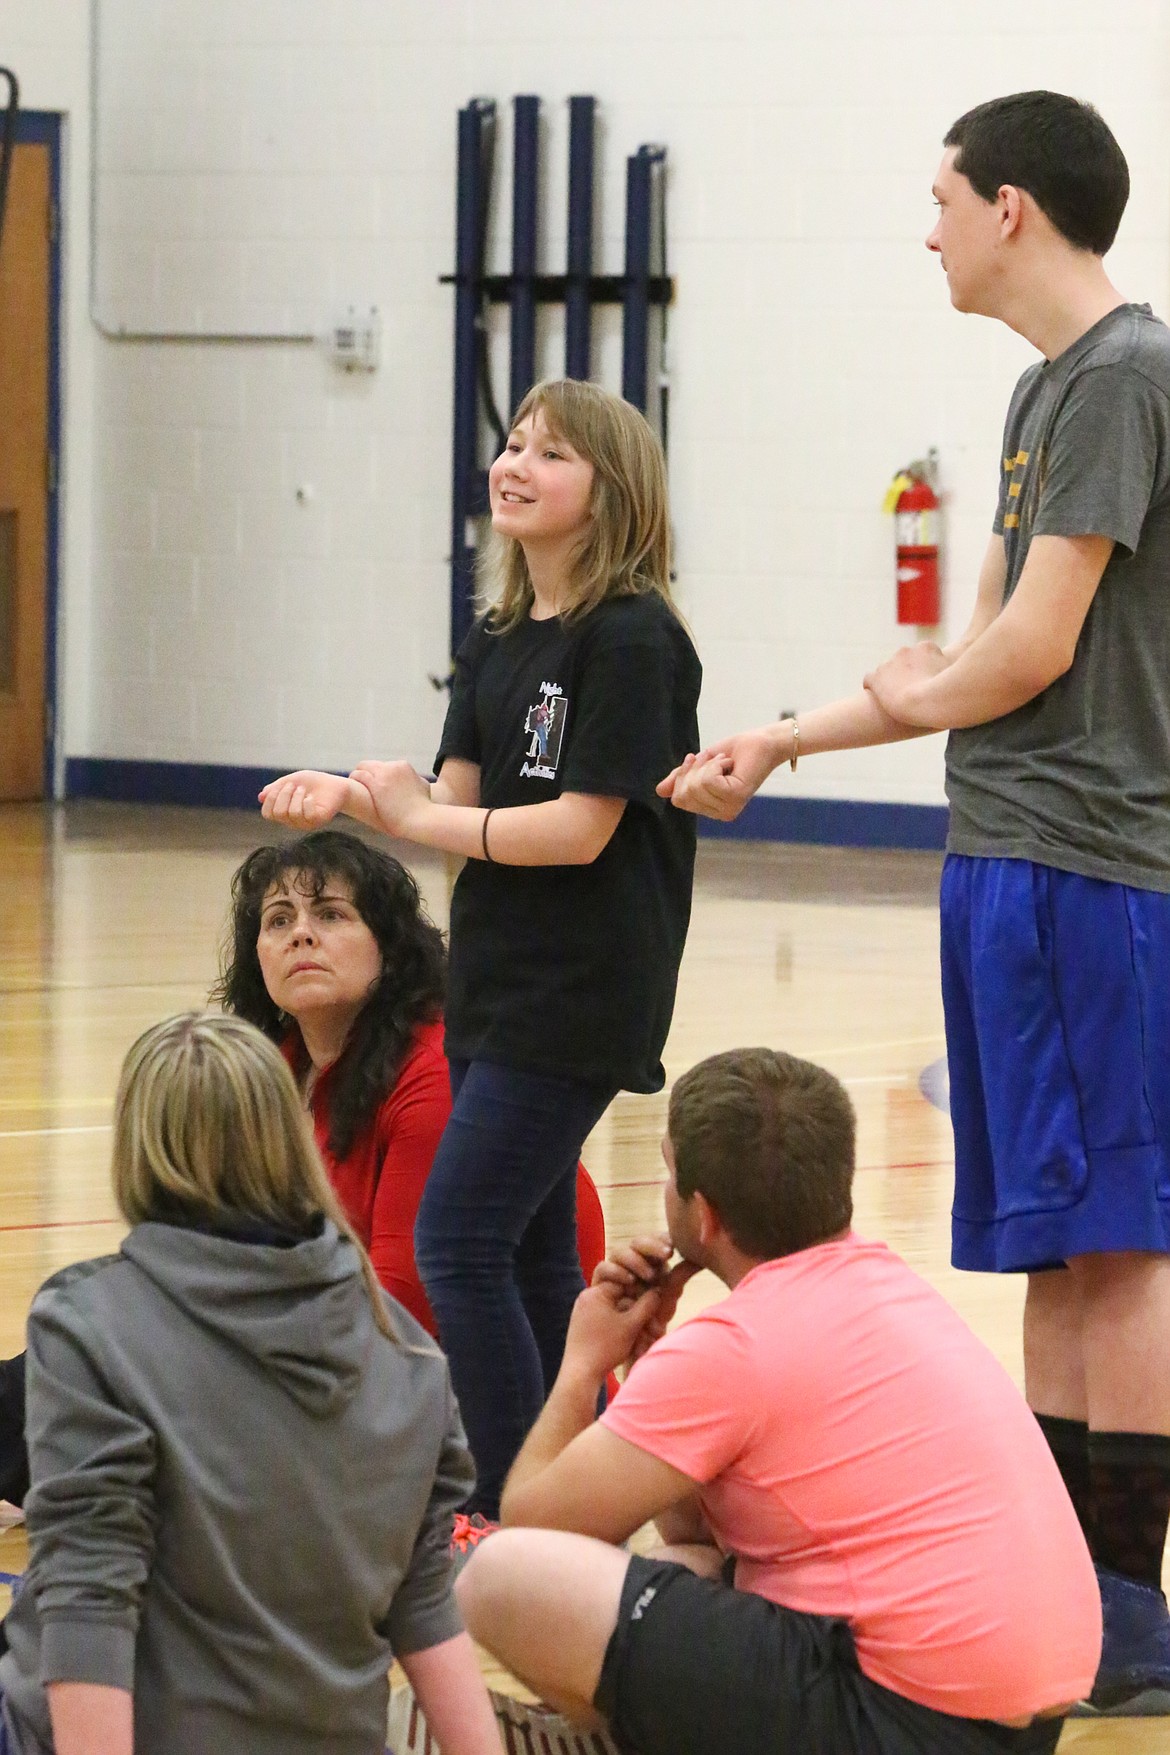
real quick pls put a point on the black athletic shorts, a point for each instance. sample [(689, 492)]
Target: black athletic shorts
[(695, 1668)]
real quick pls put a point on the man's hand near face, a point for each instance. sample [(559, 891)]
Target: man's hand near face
[(572, 1473), (637, 1267)]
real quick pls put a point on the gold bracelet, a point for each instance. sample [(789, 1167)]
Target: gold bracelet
[(795, 756)]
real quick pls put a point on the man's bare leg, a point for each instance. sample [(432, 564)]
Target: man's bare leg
[(1097, 1374), (1054, 1366), (1125, 1340), (1097, 1342), (545, 1604)]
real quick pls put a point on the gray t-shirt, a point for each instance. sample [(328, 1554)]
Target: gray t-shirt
[(1079, 778)]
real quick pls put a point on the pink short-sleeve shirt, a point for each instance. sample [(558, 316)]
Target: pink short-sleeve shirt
[(863, 1455)]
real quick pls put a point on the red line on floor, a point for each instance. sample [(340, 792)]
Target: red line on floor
[(61, 1224), (910, 1164)]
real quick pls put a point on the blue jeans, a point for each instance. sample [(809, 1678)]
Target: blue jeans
[(496, 1245)]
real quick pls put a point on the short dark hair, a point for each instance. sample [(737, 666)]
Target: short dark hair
[(409, 990), (768, 1139), (1055, 147)]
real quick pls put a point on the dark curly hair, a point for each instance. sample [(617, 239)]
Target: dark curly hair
[(414, 963)]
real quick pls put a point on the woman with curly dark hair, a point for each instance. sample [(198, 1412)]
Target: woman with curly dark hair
[(330, 952)]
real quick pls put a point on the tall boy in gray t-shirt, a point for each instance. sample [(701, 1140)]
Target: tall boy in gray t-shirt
[(1056, 891), (1079, 776)]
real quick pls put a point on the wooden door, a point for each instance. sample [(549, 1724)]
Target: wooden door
[(24, 471)]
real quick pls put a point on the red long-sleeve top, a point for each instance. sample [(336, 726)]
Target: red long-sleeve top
[(381, 1178)]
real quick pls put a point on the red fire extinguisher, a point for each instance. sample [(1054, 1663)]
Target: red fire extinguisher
[(915, 504)]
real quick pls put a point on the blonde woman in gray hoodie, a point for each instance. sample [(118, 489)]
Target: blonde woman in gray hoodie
[(245, 1458)]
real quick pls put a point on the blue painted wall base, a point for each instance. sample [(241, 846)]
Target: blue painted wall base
[(196, 783), (837, 822), (827, 822)]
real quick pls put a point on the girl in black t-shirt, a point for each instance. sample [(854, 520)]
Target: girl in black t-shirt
[(572, 695)]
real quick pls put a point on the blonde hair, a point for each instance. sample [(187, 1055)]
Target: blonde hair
[(626, 548), (208, 1124)]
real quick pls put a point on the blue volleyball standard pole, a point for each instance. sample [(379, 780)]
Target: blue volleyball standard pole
[(642, 188), (579, 261), (468, 483), (525, 200)]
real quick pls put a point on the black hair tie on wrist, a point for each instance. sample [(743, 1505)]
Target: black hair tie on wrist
[(486, 819)]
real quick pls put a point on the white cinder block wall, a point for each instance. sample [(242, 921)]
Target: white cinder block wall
[(261, 166)]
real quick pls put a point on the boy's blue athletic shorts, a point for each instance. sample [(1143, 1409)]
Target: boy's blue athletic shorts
[(1056, 990)]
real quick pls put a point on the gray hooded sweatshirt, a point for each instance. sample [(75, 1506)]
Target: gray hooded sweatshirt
[(242, 1497)]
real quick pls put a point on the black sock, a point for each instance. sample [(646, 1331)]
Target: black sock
[(1068, 1440), (1129, 1474)]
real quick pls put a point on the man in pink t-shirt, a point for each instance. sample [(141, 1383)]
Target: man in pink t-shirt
[(871, 1549)]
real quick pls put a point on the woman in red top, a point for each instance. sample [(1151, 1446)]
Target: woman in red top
[(331, 953)]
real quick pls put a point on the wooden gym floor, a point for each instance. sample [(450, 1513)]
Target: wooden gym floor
[(111, 918)]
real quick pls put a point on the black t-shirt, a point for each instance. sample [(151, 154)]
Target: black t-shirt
[(571, 969)]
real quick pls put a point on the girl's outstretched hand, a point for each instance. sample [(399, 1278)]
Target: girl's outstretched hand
[(397, 793), (304, 800), (719, 781)]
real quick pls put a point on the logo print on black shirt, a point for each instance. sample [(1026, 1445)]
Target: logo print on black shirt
[(544, 726)]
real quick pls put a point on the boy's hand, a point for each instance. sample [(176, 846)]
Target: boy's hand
[(304, 800), (895, 684), (669, 1292), (635, 1266), (606, 1330), (630, 1271)]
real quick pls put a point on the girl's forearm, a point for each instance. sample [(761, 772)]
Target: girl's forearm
[(90, 1718), (570, 830), (451, 1691), (854, 723)]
